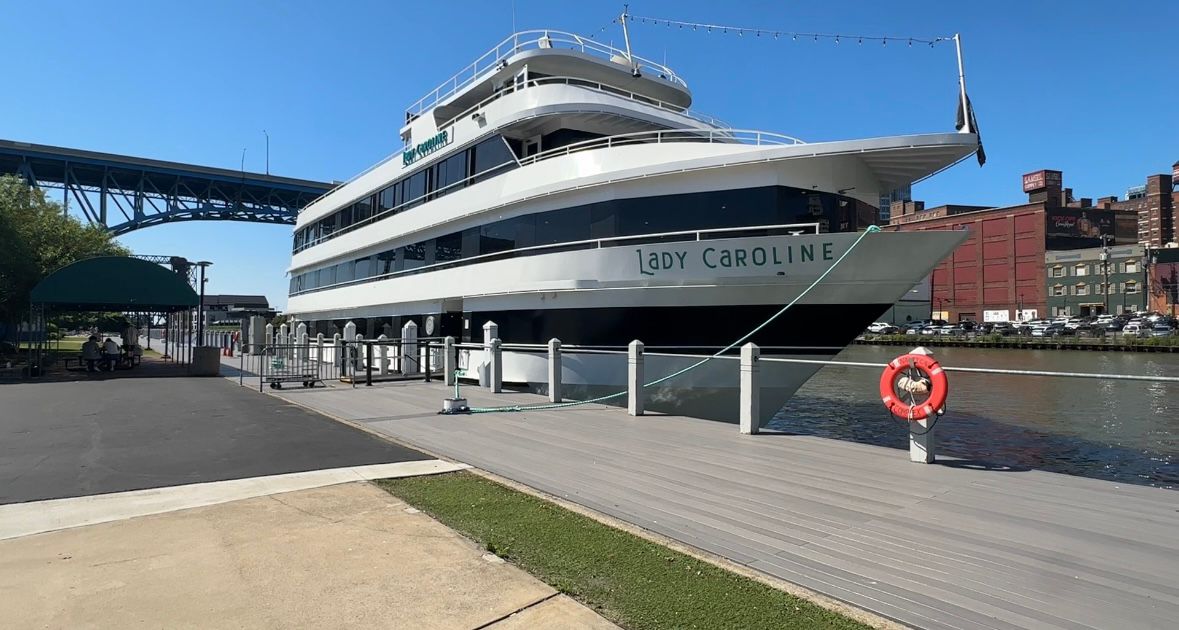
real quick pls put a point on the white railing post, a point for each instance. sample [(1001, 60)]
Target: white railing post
[(634, 378), (319, 358), (382, 355), (301, 339), (409, 348), (554, 370), (282, 339), (448, 357), (496, 368), (922, 442), (490, 331), (750, 389), (337, 350)]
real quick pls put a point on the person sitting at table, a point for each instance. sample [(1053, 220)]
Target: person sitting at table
[(110, 353), (91, 353)]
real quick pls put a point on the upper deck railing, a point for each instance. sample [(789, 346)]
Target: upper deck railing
[(529, 40), (711, 136)]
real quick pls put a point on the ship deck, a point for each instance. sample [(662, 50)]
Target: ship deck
[(958, 544)]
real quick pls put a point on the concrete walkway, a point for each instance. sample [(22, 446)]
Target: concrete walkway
[(344, 556), (958, 545)]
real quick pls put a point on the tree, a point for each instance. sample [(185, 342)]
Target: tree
[(36, 239)]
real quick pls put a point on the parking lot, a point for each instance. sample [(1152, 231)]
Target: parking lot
[(1138, 326)]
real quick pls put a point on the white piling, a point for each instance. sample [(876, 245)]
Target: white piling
[(496, 368), (383, 355), (409, 348), (490, 331), (922, 441), (337, 350), (750, 389), (448, 361), (634, 378), (319, 358), (554, 370)]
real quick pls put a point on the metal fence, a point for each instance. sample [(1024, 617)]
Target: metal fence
[(321, 362)]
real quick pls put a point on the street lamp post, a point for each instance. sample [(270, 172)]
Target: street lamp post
[(267, 151), (1105, 271), (201, 309)]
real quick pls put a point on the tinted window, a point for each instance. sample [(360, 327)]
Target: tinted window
[(452, 170), (491, 153), (563, 226), (363, 210), (388, 198), (363, 268), (449, 247), (499, 236), (345, 272), (385, 262), (415, 187), (413, 256)]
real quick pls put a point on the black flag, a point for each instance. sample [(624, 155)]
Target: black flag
[(961, 123)]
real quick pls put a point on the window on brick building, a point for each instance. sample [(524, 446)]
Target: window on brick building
[(1081, 270), (1058, 289), (1082, 289), (1131, 286), (1131, 266), (1058, 272)]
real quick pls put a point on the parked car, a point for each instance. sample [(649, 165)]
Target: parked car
[(1005, 329), (1162, 330), (883, 328), (968, 325), (954, 331), (1056, 329), (913, 329), (1135, 329), (930, 330)]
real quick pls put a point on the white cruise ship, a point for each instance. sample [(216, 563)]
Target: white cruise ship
[(564, 188)]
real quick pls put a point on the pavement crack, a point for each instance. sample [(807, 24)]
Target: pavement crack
[(518, 610)]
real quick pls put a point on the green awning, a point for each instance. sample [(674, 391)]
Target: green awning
[(115, 283)]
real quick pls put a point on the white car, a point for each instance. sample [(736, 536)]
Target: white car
[(881, 328), (1136, 329)]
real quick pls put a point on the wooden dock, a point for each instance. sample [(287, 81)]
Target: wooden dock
[(950, 545)]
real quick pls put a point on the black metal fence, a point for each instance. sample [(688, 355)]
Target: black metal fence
[(320, 363)]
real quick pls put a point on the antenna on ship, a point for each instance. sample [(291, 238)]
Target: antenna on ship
[(626, 37)]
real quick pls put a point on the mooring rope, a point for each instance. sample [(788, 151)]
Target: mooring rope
[(871, 229)]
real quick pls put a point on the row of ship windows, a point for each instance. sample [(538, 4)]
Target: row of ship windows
[(771, 205), (443, 177)]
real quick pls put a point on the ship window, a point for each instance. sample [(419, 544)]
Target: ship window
[(415, 187), (345, 218), (345, 272), (385, 262), (491, 153), (362, 210), (449, 247), (413, 256), (563, 226), (452, 170), (388, 197), (499, 236), (363, 268)]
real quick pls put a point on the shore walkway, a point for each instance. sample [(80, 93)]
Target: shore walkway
[(957, 544)]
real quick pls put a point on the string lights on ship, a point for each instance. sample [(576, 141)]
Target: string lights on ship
[(741, 31)]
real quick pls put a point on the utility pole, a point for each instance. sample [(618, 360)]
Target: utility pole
[(201, 308), (1105, 271)]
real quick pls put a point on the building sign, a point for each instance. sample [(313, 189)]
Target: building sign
[(422, 149), (1040, 180), (996, 316)]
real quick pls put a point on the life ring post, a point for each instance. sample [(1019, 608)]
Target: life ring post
[(922, 441)]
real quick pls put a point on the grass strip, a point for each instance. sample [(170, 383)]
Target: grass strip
[(633, 582)]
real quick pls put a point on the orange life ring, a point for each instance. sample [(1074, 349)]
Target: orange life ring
[(930, 369)]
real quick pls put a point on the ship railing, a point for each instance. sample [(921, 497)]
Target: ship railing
[(717, 136), (290, 361), (589, 85), (530, 40), (783, 229)]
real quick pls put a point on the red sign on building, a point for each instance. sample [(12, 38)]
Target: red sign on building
[(1040, 180)]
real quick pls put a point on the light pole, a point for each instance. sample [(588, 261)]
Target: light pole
[(1105, 271), (201, 309), (267, 151)]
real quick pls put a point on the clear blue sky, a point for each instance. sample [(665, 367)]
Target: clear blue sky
[(1086, 87)]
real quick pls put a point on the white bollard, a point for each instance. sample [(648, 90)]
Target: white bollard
[(319, 358), (922, 441), (634, 378), (383, 355), (496, 368), (490, 331), (283, 338), (409, 348), (750, 389), (554, 370), (448, 361), (337, 350), (300, 340)]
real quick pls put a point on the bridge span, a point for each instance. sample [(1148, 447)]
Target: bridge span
[(124, 193)]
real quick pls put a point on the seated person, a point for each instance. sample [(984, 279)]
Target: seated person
[(136, 354), (110, 353), (91, 353)]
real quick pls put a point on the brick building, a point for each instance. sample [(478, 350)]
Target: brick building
[(1155, 205), (1083, 282), (998, 273)]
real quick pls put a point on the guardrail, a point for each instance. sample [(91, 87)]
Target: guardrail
[(322, 360), (711, 136), (529, 40)]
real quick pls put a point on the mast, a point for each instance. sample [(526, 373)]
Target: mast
[(968, 126), (626, 33)]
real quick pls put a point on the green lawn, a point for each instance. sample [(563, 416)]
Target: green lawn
[(630, 581)]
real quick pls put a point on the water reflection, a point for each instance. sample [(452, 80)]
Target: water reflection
[(1115, 430)]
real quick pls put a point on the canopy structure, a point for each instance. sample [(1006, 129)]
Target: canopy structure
[(115, 283)]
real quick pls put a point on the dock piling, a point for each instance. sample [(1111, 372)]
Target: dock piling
[(750, 389), (496, 375), (922, 441), (634, 378), (448, 362), (554, 370)]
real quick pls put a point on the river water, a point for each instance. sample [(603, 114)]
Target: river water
[(1114, 430)]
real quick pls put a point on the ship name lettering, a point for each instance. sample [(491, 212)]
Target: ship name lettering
[(650, 263)]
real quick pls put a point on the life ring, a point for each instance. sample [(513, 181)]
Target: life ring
[(933, 379)]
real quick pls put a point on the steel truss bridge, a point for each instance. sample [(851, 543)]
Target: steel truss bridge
[(124, 193)]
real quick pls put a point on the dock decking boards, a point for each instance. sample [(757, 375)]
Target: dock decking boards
[(934, 546)]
